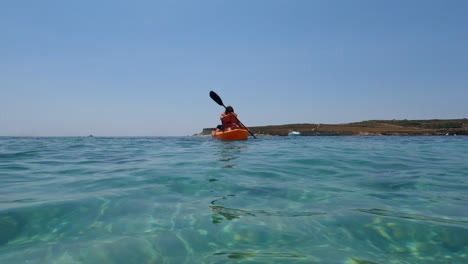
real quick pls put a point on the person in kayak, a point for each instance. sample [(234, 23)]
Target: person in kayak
[(229, 119)]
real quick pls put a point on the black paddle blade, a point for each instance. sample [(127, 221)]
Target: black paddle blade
[(216, 98)]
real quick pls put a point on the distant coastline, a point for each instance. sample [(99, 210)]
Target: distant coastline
[(405, 127)]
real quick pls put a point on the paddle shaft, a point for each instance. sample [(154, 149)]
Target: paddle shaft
[(244, 127), (218, 100)]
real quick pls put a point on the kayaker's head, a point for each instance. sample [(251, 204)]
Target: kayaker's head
[(229, 109)]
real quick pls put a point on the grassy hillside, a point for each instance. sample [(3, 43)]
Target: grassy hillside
[(370, 127)]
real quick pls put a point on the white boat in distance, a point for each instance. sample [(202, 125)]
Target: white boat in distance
[(294, 133)]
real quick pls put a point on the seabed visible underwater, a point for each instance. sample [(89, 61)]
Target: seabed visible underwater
[(349, 200)]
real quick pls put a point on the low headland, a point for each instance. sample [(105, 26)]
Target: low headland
[(433, 127)]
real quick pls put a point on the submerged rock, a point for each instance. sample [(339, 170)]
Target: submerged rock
[(10, 228)]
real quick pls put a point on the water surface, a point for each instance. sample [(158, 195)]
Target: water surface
[(267, 200)]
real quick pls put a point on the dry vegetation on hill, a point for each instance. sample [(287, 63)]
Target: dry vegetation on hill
[(367, 128)]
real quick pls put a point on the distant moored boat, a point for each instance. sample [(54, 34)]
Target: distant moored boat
[(294, 133)]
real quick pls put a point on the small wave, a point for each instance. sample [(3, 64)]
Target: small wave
[(14, 168), (231, 213), (18, 155), (415, 217), (245, 255)]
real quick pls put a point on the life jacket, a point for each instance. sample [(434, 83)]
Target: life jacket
[(229, 120)]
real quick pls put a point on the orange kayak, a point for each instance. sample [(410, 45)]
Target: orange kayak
[(236, 134)]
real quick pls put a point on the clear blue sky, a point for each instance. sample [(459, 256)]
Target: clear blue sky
[(145, 68)]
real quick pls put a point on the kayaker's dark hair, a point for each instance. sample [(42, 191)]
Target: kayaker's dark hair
[(229, 109)]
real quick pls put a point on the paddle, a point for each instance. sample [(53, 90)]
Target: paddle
[(218, 100)]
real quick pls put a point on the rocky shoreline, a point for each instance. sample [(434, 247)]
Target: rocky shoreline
[(366, 128)]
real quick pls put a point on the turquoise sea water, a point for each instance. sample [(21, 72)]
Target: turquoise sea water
[(350, 200)]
